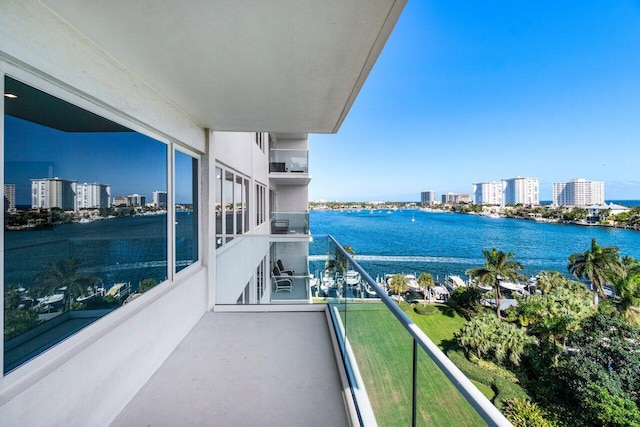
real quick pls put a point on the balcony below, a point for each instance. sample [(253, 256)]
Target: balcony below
[(289, 167), (245, 369)]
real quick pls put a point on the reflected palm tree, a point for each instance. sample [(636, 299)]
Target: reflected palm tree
[(65, 274)]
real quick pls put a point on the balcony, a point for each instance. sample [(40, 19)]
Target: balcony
[(289, 167), (241, 369), (290, 223)]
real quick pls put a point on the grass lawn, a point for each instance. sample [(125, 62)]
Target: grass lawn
[(383, 351)]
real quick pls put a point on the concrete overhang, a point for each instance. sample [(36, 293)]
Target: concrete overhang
[(290, 66)]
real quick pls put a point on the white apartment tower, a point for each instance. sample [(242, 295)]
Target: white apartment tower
[(50, 193), (428, 197), (93, 196), (160, 199), (520, 190), (487, 193), (578, 192), (9, 197)]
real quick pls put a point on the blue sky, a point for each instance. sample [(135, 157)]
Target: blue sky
[(468, 92)]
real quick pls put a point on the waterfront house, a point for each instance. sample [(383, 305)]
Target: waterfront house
[(224, 94)]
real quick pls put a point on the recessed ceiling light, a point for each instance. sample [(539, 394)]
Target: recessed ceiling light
[(10, 96)]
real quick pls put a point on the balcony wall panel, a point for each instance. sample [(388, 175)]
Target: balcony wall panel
[(89, 378)]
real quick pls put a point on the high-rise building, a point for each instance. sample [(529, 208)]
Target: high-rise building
[(488, 193), (428, 197), (50, 193), (92, 196), (578, 192), (137, 200), (160, 199), (242, 287), (453, 198), (9, 197), (525, 191)]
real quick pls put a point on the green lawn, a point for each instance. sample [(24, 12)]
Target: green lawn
[(383, 351)]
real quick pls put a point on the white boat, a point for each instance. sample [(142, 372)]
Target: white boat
[(51, 299), (455, 281), (352, 278), (412, 282), (119, 290)]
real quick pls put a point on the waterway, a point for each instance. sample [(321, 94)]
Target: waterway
[(414, 241)]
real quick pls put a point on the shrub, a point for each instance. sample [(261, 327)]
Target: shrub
[(525, 413), (426, 310)]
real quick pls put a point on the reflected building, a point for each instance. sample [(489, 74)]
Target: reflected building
[(48, 193), (93, 196)]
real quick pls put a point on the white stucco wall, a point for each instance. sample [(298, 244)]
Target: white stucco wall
[(236, 264), (35, 39), (88, 378)]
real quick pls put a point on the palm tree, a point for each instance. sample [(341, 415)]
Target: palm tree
[(398, 284), (65, 273), (425, 281), (628, 287), (548, 280), (598, 264), (498, 265)]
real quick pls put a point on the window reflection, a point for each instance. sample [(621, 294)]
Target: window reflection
[(85, 223), (186, 210)]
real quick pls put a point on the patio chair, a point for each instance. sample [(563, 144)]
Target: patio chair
[(282, 269), (282, 283)]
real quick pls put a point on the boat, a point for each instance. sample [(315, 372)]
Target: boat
[(119, 290), (413, 218), (454, 281), (352, 278)]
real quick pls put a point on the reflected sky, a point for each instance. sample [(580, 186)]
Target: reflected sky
[(130, 162)]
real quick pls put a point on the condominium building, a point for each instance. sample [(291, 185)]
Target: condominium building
[(222, 97), (9, 197), (488, 193), (136, 200), (454, 198), (50, 193), (525, 191), (92, 196), (428, 197), (578, 192), (160, 199)]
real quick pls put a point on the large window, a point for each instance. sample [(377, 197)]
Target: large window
[(232, 195), (85, 221), (186, 209)]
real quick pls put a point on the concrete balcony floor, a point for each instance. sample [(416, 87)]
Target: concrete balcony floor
[(245, 369)]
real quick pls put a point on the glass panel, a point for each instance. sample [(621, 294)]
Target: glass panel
[(245, 208), (290, 223), (71, 255), (228, 204), (290, 161), (289, 271), (239, 204), (218, 207), (186, 210), (438, 401)]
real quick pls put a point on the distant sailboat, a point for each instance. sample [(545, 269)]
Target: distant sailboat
[(413, 218)]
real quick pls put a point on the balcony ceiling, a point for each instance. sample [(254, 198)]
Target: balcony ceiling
[(279, 65)]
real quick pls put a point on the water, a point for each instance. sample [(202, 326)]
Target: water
[(449, 243), (115, 250)]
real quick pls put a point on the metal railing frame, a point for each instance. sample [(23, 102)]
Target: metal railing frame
[(489, 413)]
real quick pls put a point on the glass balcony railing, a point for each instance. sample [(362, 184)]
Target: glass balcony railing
[(398, 376), (290, 161), (290, 223)]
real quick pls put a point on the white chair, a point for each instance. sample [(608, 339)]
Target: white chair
[(282, 283)]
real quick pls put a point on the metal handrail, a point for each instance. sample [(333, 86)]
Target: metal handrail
[(489, 413)]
